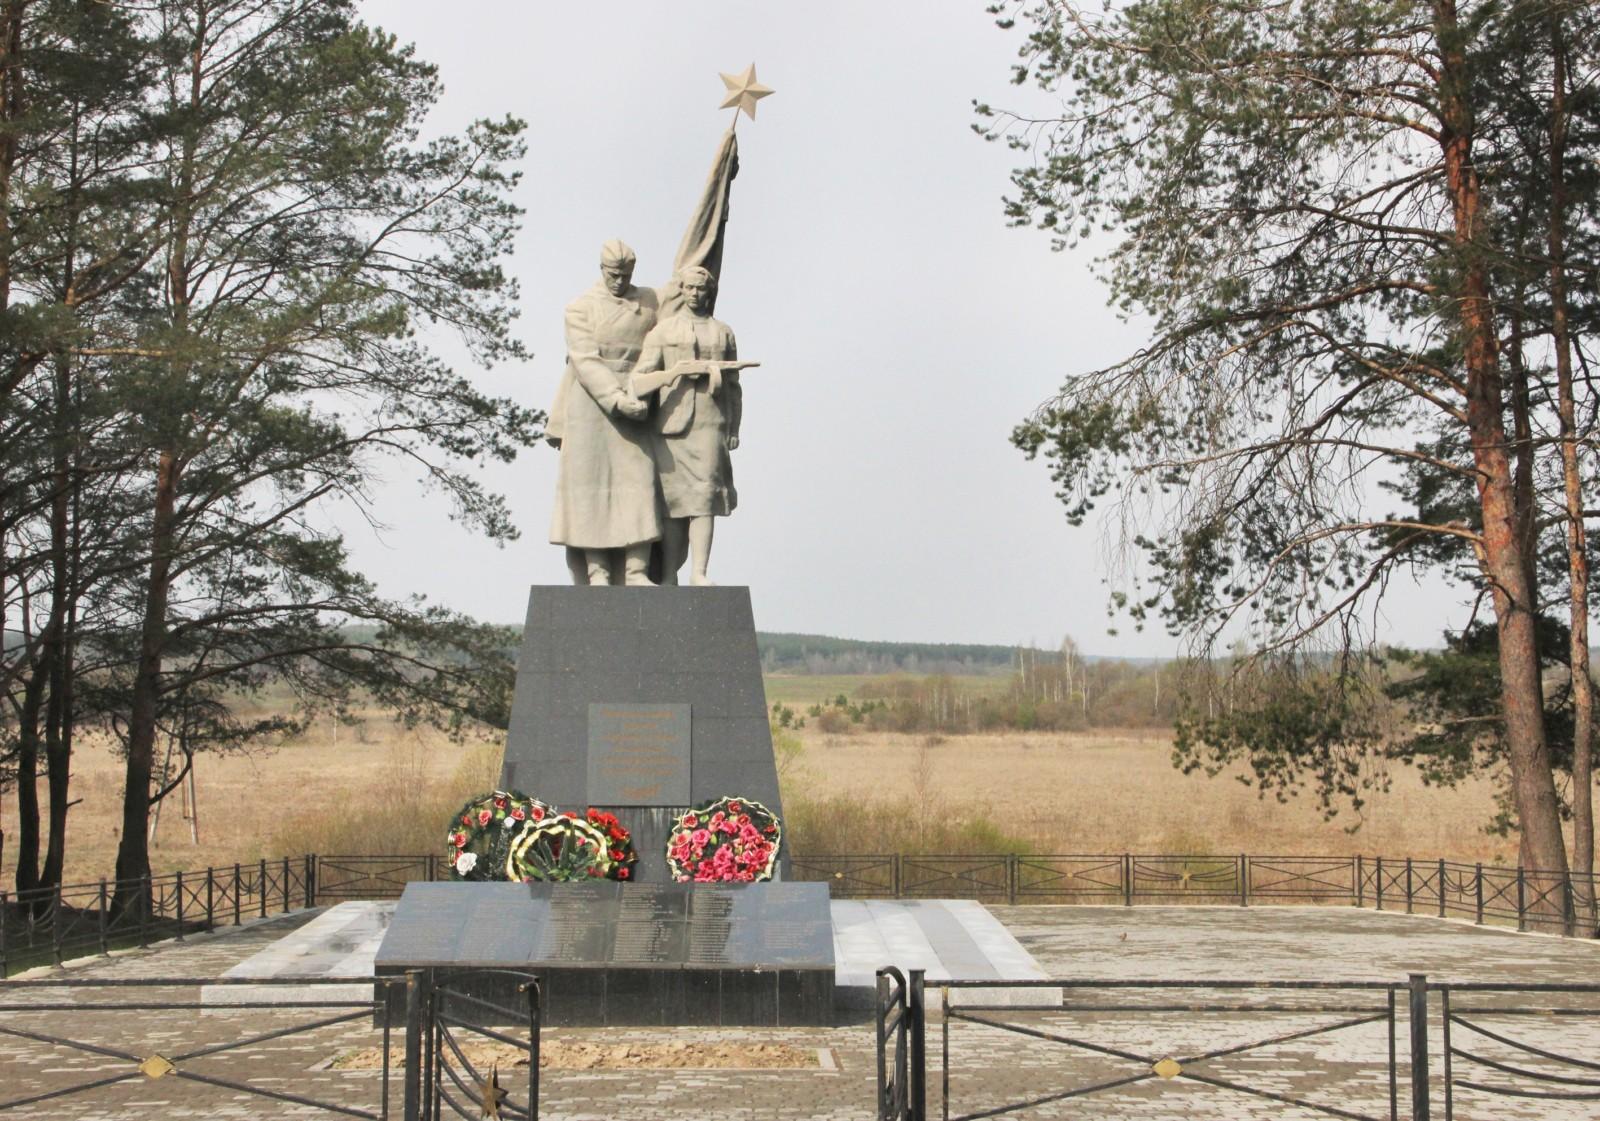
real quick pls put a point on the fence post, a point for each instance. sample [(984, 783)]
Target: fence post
[(55, 924), (261, 887), (1419, 1046), (1127, 879), (1378, 882), (235, 895), (897, 874), (5, 909), (105, 902), (917, 1006), (1011, 878), (311, 879), (1361, 890), (1408, 886), (1441, 887), (177, 880), (1569, 913), (286, 885), (147, 901), (1478, 887), (413, 1072), (1244, 880), (431, 869), (1522, 899)]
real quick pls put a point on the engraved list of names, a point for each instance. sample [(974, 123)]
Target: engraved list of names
[(638, 755)]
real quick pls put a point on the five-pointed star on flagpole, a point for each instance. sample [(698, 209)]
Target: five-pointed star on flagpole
[(743, 91)]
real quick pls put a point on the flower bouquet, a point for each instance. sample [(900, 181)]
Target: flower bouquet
[(559, 847), (619, 843), (481, 833), (729, 840)]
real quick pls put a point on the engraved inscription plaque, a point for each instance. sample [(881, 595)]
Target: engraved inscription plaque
[(638, 755)]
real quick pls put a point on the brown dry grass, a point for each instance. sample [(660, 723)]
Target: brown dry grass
[(1099, 792), (370, 787), (381, 788)]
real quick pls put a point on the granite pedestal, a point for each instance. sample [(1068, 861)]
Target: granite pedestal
[(609, 953), (643, 701)]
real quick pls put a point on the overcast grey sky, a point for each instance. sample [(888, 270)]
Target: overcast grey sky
[(903, 329)]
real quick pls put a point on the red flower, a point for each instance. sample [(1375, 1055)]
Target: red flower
[(466, 819), (519, 813), (485, 817), (537, 813), (733, 807), (499, 803), (622, 873), (459, 840)]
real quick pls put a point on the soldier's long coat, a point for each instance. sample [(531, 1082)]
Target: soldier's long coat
[(606, 493)]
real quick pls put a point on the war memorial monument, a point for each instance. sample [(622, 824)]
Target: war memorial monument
[(639, 696)]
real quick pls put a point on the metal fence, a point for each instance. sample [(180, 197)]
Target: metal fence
[(1555, 903), (147, 1029), (1383, 1062), (42, 928)]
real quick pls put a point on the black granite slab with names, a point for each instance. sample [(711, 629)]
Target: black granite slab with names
[(610, 953)]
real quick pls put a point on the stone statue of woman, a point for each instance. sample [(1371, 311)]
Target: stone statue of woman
[(696, 422)]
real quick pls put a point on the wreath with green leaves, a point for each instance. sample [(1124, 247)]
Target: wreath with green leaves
[(482, 831)]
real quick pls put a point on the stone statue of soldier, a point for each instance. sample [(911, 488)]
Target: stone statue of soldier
[(606, 490)]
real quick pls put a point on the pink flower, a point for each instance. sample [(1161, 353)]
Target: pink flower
[(485, 817), (700, 836), (519, 813)]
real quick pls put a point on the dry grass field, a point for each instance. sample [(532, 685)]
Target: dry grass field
[(1115, 791), (380, 788)]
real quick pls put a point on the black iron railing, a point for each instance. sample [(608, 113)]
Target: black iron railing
[(901, 1033), (1510, 1041), (46, 1013), (442, 1074), (46, 927)]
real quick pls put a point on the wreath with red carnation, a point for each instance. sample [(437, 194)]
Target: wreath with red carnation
[(619, 843), (481, 833), (731, 839)]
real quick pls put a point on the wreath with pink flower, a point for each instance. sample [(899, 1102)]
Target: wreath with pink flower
[(729, 840), (481, 833), (561, 847)]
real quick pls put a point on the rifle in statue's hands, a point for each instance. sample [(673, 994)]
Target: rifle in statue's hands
[(645, 384)]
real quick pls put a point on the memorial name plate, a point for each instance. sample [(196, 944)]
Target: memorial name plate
[(638, 755)]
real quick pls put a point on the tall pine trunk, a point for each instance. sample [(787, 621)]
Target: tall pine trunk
[(1572, 479), (1502, 555), (133, 853)]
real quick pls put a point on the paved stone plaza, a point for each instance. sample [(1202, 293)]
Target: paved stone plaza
[(1344, 1069)]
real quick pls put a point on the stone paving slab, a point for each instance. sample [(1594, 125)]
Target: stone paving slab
[(1343, 1068)]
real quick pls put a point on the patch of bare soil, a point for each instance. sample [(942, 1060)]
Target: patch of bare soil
[(580, 1055)]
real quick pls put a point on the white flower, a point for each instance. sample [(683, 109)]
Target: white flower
[(466, 862), (509, 822)]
